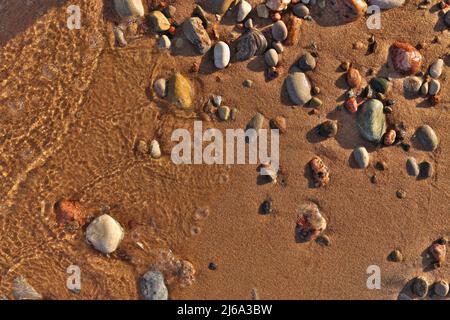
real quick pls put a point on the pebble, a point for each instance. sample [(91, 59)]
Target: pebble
[(256, 122), (436, 68), (324, 240), (345, 66), (68, 211), (249, 44), (353, 78), (233, 113), (266, 207), (349, 10), (155, 149), (371, 121), (315, 90), (307, 62), (160, 87), (401, 194), (271, 57), (104, 233), (315, 102), (179, 91), (381, 85), (221, 6), (320, 172), (424, 89), (438, 252), (447, 18), (441, 288), (279, 122), (361, 157), (387, 4), (247, 83), (158, 21), (404, 58), (279, 31), (328, 129), (389, 137), (200, 13), (278, 46), (425, 170), (310, 222), (119, 37), (412, 85), (22, 290), (381, 165), (152, 286), (434, 87), (396, 256), (420, 287), (212, 266), (412, 167), (301, 11), (249, 24), (262, 11), (351, 105), (244, 9), (221, 55), (217, 100), (299, 88), (129, 8), (277, 5), (197, 35), (224, 113), (164, 42), (169, 11), (427, 138)]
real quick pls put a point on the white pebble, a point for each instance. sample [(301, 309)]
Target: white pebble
[(221, 55)]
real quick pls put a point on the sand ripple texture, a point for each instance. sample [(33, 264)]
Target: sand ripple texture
[(72, 109)]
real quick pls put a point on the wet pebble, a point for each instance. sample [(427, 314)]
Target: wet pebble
[(160, 87), (441, 288), (224, 113), (212, 266), (105, 234), (68, 211), (307, 62), (244, 9), (152, 286), (155, 149), (301, 11), (381, 85), (436, 68), (427, 137), (420, 287), (279, 31), (221, 55), (412, 167), (179, 91), (271, 57), (361, 157), (328, 129), (404, 58), (425, 170), (434, 87), (371, 120)]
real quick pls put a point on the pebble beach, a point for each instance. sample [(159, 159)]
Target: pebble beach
[(357, 90)]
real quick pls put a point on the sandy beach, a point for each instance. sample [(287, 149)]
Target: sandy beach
[(75, 106)]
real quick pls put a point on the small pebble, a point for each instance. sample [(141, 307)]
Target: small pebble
[(247, 83), (345, 66), (420, 287), (266, 207), (164, 42), (381, 165), (271, 57), (412, 167), (212, 266), (441, 288), (353, 78), (436, 68), (155, 149), (224, 113), (389, 137), (361, 157), (104, 233), (401, 194), (315, 102), (380, 85), (217, 100), (233, 113), (278, 46), (434, 87), (427, 138), (315, 90), (412, 85), (152, 286), (301, 11), (323, 240), (279, 31), (249, 24), (424, 89), (279, 122), (160, 87), (244, 9), (307, 62), (328, 129), (396, 256), (425, 170), (263, 11)]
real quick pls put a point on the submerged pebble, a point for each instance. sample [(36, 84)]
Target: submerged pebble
[(105, 234), (152, 286)]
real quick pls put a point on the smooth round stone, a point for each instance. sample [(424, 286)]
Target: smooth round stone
[(425, 170), (328, 129), (306, 1), (315, 102), (307, 62), (262, 11), (412, 167), (380, 85), (427, 138), (436, 68), (279, 31), (361, 157), (299, 88), (224, 113), (278, 46), (441, 288), (152, 286), (164, 42), (371, 120), (434, 87), (129, 8), (158, 21), (387, 4), (155, 149), (412, 85), (424, 88), (160, 87), (179, 91), (104, 233), (301, 11), (244, 9), (420, 287), (221, 55), (271, 57)]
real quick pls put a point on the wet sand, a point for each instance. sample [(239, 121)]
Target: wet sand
[(73, 106)]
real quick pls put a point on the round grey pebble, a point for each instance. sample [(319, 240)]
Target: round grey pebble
[(427, 138), (441, 288), (412, 167), (279, 31), (434, 87), (361, 157), (420, 287), (301, 10), (278, 46), (271, 57), (307, 62), (153, 287)]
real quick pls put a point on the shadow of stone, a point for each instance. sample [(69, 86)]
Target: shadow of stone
[(257, 64), (341, 82), (440, 25), (307, 173), (313, 135)]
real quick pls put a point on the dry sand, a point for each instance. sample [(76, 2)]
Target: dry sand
[(73, 105)]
